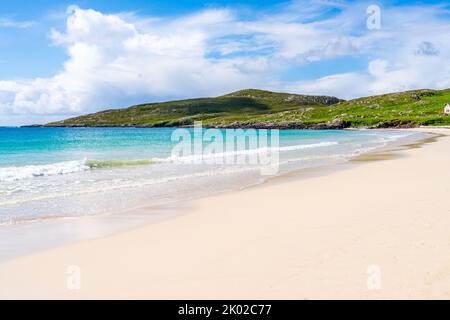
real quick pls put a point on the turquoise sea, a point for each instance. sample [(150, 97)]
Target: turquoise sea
[(48, 174), (43, 169)]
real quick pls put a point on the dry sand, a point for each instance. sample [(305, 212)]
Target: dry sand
[(385, 224)]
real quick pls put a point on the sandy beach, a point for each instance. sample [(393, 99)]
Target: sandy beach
[(375, 229)]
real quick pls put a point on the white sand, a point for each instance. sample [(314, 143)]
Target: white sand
[(301, 238)]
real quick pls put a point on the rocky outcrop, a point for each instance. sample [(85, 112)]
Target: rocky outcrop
[(283, 125), (394, 124)]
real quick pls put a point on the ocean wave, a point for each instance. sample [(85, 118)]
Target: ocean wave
[(309, 146), (206, 156), (9, 174), (126, 184)]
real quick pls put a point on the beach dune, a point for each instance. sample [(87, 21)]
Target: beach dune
[(375, 229)]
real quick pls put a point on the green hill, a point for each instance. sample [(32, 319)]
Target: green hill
[(403, 109), (265, 109)]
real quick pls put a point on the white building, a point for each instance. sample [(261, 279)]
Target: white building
[(447, 109)]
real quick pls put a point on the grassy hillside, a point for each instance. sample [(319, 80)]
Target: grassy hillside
[(409, 108), (258, 108)]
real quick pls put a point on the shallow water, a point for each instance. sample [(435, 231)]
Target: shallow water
[(51, 176), (63, 172)]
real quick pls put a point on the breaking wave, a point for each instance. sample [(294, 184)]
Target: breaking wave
[(9, 174), (31, 171)]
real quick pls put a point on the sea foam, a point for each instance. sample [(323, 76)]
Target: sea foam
[(25, 172), (8, 174)]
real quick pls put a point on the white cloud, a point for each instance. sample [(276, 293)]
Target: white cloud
[(9, 23), (118, 59), (411, 51), (111, 62), (335, 85)]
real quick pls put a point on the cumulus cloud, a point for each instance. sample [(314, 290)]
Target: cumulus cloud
[(118, 59), (112, 62), (410, 51)]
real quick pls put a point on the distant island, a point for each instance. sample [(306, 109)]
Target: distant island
[(253, 108)]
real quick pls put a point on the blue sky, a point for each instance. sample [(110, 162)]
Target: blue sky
[(65, 58), (46, 14)]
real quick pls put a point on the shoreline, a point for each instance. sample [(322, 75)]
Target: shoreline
[(299, 126), (18, 280), (68, 230)]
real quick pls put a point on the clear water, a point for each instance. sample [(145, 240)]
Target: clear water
[(50, 173)]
